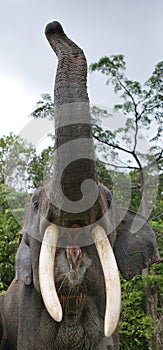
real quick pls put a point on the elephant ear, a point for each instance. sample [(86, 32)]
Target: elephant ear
[(135, 247), (23, 263)]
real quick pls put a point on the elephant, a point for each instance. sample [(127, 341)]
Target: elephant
[(66, 291)]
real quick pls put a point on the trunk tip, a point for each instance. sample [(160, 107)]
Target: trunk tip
[(53, 27)]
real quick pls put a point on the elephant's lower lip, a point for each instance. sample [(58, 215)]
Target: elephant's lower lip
[(77, 299)]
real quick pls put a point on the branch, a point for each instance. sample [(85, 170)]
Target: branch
[(137, 160), (128, 92), (121, 149), (120, 166), (112, 145), (148, 109), (159, 156), (156, 216), (136, 130), (137, 116), (124, 167), (159, 261), (156, 161), (152, 107)]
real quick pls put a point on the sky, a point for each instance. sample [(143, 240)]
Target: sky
[(100, 28)]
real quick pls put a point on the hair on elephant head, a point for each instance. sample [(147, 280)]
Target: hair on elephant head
[(66, 293)]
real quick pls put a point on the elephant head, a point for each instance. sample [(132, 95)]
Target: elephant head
[(75, 239)]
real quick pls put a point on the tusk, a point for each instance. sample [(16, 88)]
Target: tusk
[(111, 276), (46, 273)]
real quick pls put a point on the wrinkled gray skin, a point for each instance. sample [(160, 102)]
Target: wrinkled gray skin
[(24, 321)]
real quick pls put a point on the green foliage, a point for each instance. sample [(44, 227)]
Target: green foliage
[(136, 327), (20, 165), (103, 175), (156, 218), (15, 154), (136, 324), (41, 167), (136, 196), (15, 157), (9, 237), (44, 108)]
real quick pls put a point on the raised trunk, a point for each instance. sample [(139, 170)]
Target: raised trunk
[(75, 194), (75, 177)]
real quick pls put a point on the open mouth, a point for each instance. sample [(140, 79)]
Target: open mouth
[(110, 270)]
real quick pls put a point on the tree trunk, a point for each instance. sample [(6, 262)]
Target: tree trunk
[(151, 293)]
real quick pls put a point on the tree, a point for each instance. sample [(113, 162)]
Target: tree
[(136, 328), (41, 167), (44, 108), (15, 154), (9, 233), (142, 110), (15, 157)]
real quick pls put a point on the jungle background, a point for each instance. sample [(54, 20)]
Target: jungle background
[(134, 174)]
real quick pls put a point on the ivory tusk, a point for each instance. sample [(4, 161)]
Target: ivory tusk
[(46, 273), (111, 276)]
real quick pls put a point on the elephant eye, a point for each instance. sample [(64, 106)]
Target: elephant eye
[(36, 203)]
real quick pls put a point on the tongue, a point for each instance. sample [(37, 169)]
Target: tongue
[(73, 254)]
